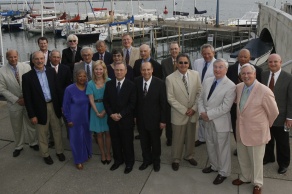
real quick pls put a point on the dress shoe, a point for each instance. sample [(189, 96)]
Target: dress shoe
[(137, 137), (192, 161), (175, 166), (268, 161), (257, 190), (103, 162), (17, 152), (79, 166), (238, 182), (208, 170), (168, 142), (108, 161), (219, 179), (156, 167), (51, 144), (115, 166), (144, 166), (48, 160), (198, 143), (35, 147), (61, 157), (235, 152), (282, 170), (128, 169)]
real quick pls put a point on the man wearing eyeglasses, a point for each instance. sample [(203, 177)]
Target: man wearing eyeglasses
[(71, 55), (102, 54), (86, 64), (183, 90)]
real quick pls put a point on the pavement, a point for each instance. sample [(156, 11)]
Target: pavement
[(28, 173)]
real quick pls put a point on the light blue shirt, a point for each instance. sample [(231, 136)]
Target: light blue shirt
[(42, 76)]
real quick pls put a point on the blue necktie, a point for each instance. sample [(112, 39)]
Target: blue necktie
[(204, 72), (212, 89)]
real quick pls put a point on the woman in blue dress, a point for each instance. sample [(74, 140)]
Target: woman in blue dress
[(98, 116), (76, 111)]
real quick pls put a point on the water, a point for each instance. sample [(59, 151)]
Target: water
[(26, 43)]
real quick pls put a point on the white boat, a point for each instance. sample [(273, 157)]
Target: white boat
[(82, 30), (249, 19)]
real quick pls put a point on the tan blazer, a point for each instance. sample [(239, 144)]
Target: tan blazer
[(258, 115), (219, 104), (179, 99), (134, 55), (9, 86)]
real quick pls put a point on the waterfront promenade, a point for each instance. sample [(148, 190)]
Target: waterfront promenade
[(29, 174)]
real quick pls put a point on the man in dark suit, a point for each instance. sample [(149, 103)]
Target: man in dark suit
[(119, 102), (71, 55), (145, 57), (233, 74), (150, 115), (43, 45), (102, 54), (42, 102), (280, 82)]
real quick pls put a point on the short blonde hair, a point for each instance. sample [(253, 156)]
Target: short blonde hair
[(102, 64)]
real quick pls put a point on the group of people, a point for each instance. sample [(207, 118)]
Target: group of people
[(107, 94)]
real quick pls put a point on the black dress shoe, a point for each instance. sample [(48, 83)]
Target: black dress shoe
[(208, 170), (175, 166), (35, 147), (137, 137), (61, 157), (268, 161), (51, 144), (282, 170), (219, 179), (115, 166), (48, 160), (169, 142), (108, 161), (17, 152), (156, 167), (198, 143), (128, 169), (192, 161), (144, 166)]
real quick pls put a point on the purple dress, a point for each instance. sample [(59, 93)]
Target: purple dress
[(76, 109)]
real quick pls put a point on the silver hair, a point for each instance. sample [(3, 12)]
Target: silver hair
[(146, 46), (86, 48), (71, 37), (248, 65), (221, 60), (207, 46), (54, 51)]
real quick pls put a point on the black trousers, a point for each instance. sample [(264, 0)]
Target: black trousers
[(233, 119), (282, 146)]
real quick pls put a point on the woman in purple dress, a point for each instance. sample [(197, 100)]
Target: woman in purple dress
[(76, 111)]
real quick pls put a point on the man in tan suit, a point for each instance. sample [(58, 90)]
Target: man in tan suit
[(183, 90), (131, 54), (10, 88), (256, 112)]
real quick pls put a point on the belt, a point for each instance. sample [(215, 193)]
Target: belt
[(98, 100)]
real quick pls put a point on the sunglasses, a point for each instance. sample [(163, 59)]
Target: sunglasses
[(72, 40), (183, 62)]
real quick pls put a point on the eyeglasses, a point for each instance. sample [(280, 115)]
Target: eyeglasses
[(117, 55), (72, 40), (183, 62)]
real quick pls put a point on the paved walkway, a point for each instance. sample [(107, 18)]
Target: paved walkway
[(29, 174)]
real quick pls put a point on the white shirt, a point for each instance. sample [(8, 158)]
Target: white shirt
[(55, 67), (276, 75), (122, 81), (186, 75), (148, 83)]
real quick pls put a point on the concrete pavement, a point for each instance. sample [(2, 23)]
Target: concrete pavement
[(29, 174)]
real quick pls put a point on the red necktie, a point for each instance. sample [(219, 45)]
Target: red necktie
[(272, 82)]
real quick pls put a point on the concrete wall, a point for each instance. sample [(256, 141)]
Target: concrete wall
[(279, 25)]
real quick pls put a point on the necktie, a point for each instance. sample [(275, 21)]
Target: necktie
[(101, 57), (174, 65), (118, 88), (17, 75), (185, 83), (204, 72), (127, 57), (73, 56), (243, 99), (55, 67), (272, 82), (212, 89), (145, 89), (88, 73)]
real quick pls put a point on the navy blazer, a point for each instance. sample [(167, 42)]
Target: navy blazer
[(157, 69), (107, 59), (67, 56), (31, 63)]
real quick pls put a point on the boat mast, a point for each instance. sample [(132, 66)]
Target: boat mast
[(42, 15), (174, 8), (1, 40)]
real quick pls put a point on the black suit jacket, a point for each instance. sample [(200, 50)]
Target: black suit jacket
[(67, 55), (107, 59), (31, 63), (150, 110), (35, 103), (157, 70), (124, 103)]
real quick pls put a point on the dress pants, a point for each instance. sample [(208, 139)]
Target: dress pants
[(183, 135), (250, 160), (150, 145), (43, 130), (201, 131), (168, 128), (282, 146), (218, 147), (233, 119), (19, 122)]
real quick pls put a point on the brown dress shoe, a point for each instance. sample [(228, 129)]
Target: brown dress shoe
[(79, 166), (175, 166), (257, 190), (192, 161), (239, 182)]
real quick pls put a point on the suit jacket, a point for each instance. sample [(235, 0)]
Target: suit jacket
[(31, 63), (67, 55), (124, 103), (35, 102), (219, 104), (64, 78), (107, 58), (179, 99), (134, 55), (9, 86), (232, 72), (78, 66), (157, 70), (167, 67), (283, 95), (258, 115), (150, 109), (199, 66)]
